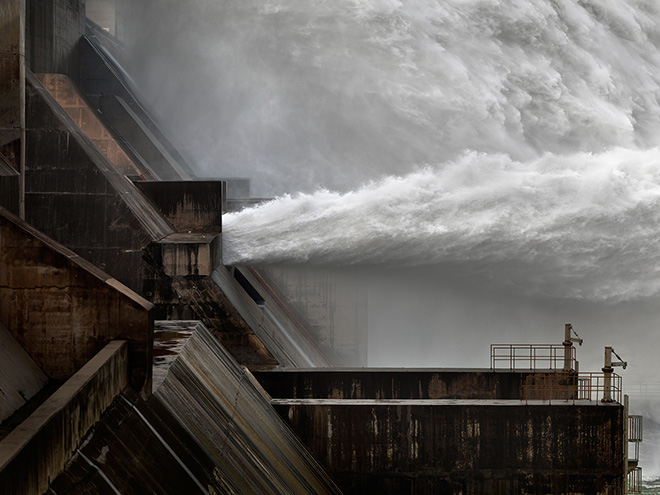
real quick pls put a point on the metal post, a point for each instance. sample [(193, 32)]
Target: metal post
[(568, 346), (608, 369), (625, 445)]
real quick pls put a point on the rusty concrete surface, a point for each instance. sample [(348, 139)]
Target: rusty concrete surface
[(190, 206), (393, 383), (462, 446), (189, 254)]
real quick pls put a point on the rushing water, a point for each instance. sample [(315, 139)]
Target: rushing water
[(518, 139), (492, 166)]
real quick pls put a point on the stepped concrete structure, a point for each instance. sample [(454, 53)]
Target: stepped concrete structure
[(132, 360)]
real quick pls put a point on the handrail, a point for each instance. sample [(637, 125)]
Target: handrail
[(635, 428), (635, 480), (530, 357), (572, 386)]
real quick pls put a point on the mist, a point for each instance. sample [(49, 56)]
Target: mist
[(302, 95), (491, 167)]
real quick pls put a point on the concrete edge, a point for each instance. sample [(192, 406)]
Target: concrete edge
[(76, 259), (152, 222), (24, 466)]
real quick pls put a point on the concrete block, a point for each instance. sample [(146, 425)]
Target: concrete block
[(190, 206), (190, 254)]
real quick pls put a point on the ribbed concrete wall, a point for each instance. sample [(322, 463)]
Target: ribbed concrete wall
[(218, 401), (36, 451), (12, 82), (53, 29)]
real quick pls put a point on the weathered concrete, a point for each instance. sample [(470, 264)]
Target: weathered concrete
[(190, 206), (20, 377), (188, 254), (200, 298), (12, 58), (9, 187), (392, 383), (66, 94), (63, 310), (208, 428), (463, 446), (76, 196), (12, 99), (54, 28), (36, 452)]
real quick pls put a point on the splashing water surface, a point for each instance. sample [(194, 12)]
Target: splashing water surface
[(585, 225), (537, 127)]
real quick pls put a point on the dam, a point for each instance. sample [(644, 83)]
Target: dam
[(136, 359)]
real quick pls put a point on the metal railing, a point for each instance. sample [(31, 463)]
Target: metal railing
[(635, 480), (530, 357), (634, 433), (635, 428), (572, 386)]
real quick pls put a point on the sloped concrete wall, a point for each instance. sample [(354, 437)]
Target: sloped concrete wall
[(77, 197), (36, 452), (63, 310), (278, 331), (20, 377), (65, 92), (109, 88), (208, 428), (332, 304)]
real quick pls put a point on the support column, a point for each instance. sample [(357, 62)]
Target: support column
[(12, 90)]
